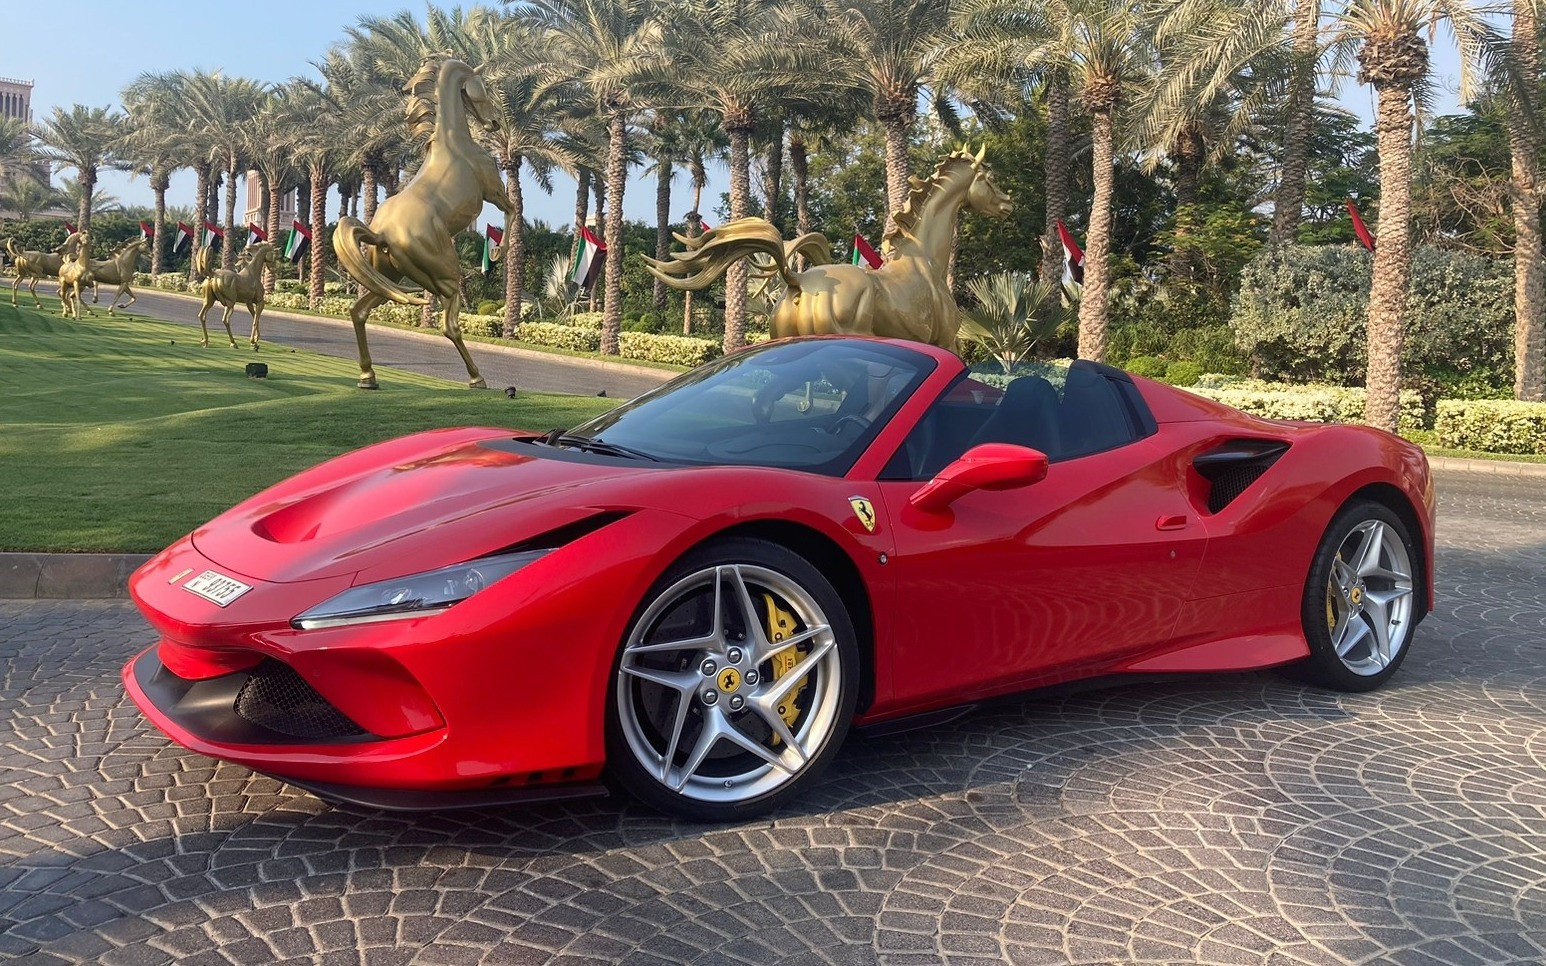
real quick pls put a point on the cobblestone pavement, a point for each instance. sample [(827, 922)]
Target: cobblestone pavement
[(1228, 820)]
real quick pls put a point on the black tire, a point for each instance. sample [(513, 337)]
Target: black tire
[(1344, 609), (652, 740)]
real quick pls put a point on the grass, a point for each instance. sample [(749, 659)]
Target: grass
[(123, 434)]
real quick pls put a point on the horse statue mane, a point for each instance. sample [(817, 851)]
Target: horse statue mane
[(905, 221), (421, 108)]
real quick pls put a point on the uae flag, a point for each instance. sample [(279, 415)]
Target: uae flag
[(184, 236), (146, 232), (69, 228), (1359, 228), (863, 250), (492, 239), (587, 261), (255, 234), (1073, 255), (297, 242), (211, 232)]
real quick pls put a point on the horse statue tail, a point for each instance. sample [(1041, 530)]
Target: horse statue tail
[(348, 236), (10, 246), (204, 262), (711, 254)]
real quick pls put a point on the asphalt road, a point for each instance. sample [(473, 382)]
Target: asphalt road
[(1237, 819), (427, 352)]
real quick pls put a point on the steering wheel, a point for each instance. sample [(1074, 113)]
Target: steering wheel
[(836, 429)]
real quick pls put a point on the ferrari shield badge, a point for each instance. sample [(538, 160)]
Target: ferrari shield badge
[(864, 511)]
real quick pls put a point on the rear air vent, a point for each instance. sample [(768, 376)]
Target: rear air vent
[(1233, 466)]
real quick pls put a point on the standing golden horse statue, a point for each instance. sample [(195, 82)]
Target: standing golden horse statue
[(119, 271), (34, 266), (908, 297), (412, 237), (74, 276), (241, 287)]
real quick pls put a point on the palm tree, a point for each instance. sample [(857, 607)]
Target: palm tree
[(1525, 197), (370, 104), (528, 134), (1393, 58), (26, 196), (86, 139), (158, 144), (75, 195), (601, 50), (315, 132), (16, 149), (1288, 207), (1007, 320), (225, 107), (888, 49)]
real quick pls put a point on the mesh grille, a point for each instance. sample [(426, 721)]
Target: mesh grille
[(1231, 482), (277, 698)]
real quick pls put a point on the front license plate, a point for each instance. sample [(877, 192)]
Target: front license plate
[(217, 587)]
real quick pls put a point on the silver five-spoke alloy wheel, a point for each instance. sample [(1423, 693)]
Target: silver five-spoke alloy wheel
[(731, 684), (1369, 597)]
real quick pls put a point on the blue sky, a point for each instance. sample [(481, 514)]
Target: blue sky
[(276, 39)]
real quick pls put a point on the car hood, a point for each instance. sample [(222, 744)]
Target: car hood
[(410, 505)]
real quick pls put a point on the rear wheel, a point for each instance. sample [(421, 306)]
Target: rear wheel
[(735, 685), (1360, 601)]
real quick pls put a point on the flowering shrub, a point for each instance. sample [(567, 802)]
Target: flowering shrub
[(679, 350), (1311, 403), (1492, 425), (571, 337)]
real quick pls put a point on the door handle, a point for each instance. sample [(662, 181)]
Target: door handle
[(1171, 522)]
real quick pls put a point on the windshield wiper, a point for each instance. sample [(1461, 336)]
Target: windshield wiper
[(560, 438)]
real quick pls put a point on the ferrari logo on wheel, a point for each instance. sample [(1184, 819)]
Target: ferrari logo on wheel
[(729, 680), (864, 511)]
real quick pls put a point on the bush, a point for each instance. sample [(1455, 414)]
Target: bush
[(1183, 373), (1311, 403), (1152, 367), (649, 322), (585, 320), (571, 337), (1492, 425), (1303, 312), (490, 307), (678, 350)]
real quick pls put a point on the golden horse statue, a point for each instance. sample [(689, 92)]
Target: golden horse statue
[(35, 266), (908, 297), (241, 287), (74, 275), (119, 271), (412, 237)]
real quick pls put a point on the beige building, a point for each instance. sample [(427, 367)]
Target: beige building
[(257, 214), (16, 99)]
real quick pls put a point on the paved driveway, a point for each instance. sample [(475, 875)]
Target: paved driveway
[(1231, 820)]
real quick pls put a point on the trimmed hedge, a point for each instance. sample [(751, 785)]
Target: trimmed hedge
[(678, 350), (560, 336), (1311, 403), (1492, 425)]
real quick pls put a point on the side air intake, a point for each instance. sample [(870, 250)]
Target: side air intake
[(1233, 466)]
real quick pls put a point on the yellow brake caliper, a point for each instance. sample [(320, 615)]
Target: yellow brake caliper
[(780, 625), (1331, 611)]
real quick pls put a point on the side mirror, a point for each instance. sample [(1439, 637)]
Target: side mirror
[(991, 466)]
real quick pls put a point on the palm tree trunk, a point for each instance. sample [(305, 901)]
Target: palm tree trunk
[(775, 181), (515, 246), (211, 212), (740, 201), (160, 181), (897, 167), (272, 227), (201, 192), (617, 179), (318, 225), (368, 190), (1054, 168), (800, 170), (581, 207), (1188, 156), (598, 186), (662, 224), (228, 247), (694, 229), (88, 188), (1289, 204), (1094, 305), (1392, 255), (1524, 191)]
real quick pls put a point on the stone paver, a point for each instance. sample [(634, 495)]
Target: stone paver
[(1223, 820)]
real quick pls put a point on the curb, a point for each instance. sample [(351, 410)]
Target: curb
[(1487, 467), (67, 576)]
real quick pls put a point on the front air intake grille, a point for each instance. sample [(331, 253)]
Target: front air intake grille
[(277, 698)]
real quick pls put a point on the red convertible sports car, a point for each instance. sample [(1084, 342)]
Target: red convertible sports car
[(699, 592)]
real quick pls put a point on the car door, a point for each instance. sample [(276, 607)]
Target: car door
[(1016, 587)]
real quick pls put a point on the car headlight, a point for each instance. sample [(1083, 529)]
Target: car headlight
[(417, 595)]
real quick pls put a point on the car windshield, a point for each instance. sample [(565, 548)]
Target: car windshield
[(810, 405)]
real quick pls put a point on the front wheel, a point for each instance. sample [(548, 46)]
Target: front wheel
[(735, 685), (1360, 600)]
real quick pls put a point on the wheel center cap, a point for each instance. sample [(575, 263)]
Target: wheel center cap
[(729, 680), (1356, 596)]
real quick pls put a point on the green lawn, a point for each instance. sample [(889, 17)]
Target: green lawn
[(123, 434)]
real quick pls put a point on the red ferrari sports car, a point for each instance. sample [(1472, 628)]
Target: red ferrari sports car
[(700, 591)]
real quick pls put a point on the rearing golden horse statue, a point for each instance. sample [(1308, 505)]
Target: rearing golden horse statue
[(412, 237), (908, 297)]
